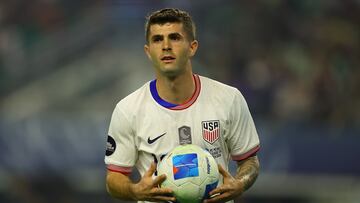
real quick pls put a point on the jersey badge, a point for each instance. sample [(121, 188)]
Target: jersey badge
[(211, 130), (110, 146), (185, 135)]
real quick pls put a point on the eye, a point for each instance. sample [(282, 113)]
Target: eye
[(175, 37), (156, 39)]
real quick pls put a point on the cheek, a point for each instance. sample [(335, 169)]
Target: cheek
[(185, 54), (153, 56), (155, 59)]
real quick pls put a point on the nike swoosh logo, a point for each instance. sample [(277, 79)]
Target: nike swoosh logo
[(150, 141)]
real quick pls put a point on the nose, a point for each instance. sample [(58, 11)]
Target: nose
[(166, 45)]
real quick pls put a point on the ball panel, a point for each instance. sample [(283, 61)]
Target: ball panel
[(191, 173), (185, 165), (188, 193), (208, 189)]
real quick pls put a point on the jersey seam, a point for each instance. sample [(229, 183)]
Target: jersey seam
[(251, 148), (230, 112), (175, 108)]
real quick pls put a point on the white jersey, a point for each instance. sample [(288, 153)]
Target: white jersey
[(144, 127)]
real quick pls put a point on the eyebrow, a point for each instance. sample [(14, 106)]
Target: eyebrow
[(171, 35), (175, 34)]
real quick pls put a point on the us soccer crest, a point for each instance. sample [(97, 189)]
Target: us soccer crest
[(211, 131)]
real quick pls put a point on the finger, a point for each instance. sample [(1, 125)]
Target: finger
[(223, 172), (219, 198), (151, 170), (162, 192), (159, 179), (163, 198), (215, 191), (219, 190)]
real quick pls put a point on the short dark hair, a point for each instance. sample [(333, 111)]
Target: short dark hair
[(171, 15)]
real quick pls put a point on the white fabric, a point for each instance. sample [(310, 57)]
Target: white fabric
[(138, 117)]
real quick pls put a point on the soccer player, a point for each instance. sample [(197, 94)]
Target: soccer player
[(178, 107)]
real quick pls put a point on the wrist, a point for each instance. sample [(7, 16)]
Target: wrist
[(240, 184), (133, 191)]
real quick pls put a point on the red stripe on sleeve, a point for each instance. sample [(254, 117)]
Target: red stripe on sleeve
[(246, 155), (119, 169)]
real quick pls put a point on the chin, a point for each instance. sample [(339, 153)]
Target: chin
[(170, 69), (171, 72)]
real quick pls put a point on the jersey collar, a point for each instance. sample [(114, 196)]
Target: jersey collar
[(171, 106)]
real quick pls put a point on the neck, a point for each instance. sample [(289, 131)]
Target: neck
[(176, 90)]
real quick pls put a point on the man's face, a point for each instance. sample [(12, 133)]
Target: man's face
[(169, 48)]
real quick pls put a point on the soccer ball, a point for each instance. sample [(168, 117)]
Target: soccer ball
[(191, 172)]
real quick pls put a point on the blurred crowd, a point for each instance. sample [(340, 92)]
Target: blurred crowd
[(24, 27), (295, 61)]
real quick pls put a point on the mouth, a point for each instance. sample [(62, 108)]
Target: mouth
[(168, 59)]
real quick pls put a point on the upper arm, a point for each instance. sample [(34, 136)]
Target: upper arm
[(121, 151), (243, 140)]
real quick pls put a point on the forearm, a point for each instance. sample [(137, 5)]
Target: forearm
[(247, 172), (119, 186)]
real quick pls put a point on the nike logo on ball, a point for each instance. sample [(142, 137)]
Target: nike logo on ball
[(150, 141)]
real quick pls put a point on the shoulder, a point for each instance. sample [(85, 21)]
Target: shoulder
[(218, 88), (134, 99), (226, 96)]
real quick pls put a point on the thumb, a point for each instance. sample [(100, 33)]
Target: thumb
[(223, 172)]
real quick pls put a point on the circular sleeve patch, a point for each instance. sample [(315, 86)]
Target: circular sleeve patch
[(110, 146)]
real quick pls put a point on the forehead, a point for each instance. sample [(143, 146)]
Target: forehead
[(167, 28)]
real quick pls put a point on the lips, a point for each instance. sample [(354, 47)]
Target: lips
[(167, 58)]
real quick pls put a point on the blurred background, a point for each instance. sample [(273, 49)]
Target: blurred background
[(65, 64)]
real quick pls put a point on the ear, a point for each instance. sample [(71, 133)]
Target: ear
[(193, 47), (147, 51)]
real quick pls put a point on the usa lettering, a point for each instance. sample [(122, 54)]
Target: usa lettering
[(210, 125)]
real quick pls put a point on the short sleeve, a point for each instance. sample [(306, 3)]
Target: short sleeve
[(243, 140), (121, 150)]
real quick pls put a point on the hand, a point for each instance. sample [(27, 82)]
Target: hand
[(230, 189), (147, 189)]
